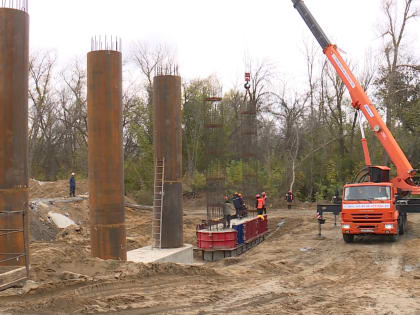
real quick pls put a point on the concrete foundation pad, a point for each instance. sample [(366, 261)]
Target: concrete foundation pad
[(181, 255)]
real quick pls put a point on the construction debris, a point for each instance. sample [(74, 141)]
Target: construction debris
[(61, 221)]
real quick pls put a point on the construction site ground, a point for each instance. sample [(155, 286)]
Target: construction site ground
[(291, 272)]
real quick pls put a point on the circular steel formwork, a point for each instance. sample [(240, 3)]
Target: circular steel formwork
[(14, 65), (106, 161), (168, 146)]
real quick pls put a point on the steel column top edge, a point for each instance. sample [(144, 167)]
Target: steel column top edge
[(18, 5)]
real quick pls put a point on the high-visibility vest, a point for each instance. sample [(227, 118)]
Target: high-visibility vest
[(260, 203)]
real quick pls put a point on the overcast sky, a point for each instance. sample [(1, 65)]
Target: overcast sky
[(211, 37)]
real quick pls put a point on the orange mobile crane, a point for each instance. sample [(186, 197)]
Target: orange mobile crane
[(374, 203)]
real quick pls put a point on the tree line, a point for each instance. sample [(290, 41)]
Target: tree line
[(308, 140)]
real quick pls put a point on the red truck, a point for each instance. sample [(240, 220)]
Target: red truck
[(374, 203)]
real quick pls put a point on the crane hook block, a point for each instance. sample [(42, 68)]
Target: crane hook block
[(247, 76)]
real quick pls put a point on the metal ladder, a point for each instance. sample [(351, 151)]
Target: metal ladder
[(158, 203)]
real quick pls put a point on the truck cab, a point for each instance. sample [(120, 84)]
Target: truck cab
[(369, 208)]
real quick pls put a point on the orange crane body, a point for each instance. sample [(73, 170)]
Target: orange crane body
[(376, 206), (361, 101)]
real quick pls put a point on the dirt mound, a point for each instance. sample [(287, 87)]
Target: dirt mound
[(291, 272)]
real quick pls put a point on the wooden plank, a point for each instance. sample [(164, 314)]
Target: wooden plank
[(10, 276)]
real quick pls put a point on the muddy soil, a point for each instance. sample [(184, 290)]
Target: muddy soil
[(291, 272)]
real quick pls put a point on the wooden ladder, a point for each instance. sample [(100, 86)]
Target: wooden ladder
[(158, 203)]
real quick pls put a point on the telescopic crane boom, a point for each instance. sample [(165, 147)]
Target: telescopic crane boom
[(360, 101)]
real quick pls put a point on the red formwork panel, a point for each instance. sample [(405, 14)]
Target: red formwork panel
[(251, 229), (216, 240), (262, 225)]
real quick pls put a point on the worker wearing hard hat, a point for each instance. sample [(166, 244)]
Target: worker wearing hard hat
[(242, 206), (72, 183), (289, 198), (237, 204), (264, 196), (228, 213), (259, 204)]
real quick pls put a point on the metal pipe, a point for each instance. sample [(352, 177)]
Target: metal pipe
[(14, 65), (168, 146), (313, 25), (105, 151)]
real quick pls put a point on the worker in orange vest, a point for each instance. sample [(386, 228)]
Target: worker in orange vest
[(289, 198), (259, 204), (264, 196)]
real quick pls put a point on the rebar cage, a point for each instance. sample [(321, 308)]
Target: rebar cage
[(106, 42), (249, 156), (216, 169), (21, 5)]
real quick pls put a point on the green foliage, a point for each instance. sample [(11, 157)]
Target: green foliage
[(234, 175), (198, 182), (331, 172)]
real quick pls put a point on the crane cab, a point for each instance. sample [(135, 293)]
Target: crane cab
[(369, 208)]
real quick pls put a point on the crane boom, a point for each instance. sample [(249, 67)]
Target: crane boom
[(361, 101)]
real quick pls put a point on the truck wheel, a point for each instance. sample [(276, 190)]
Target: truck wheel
[(405, 223), (348, 238), (401, 228)]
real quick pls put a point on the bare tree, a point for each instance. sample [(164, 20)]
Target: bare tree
[(393, 32), (148, 58), (44, 137), (73, 115), (262, 75), (291, 114)]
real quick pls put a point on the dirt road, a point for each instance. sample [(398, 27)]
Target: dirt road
[(292, 272)]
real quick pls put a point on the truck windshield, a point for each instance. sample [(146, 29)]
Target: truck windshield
[(367, 193)]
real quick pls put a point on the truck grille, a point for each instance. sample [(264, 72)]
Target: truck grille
[(366, 217)]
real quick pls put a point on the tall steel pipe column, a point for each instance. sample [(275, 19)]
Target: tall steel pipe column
[(106, 177), (168, 145), (14, 61)]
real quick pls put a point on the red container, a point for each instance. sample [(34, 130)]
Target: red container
[(216, 240)]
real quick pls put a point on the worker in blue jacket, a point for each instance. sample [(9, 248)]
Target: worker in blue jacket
[(237, 203), (243, 212), (72, 186)]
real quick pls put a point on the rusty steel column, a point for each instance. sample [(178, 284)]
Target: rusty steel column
[(14, 60), (106, 173), (168, 145)]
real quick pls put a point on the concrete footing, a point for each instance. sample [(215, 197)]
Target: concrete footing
[(181, 255)]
